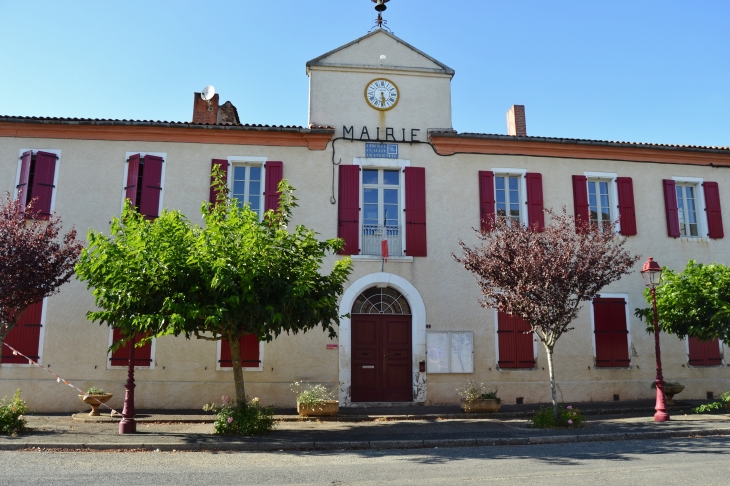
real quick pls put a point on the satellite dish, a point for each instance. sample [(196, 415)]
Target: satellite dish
[(207, 93)]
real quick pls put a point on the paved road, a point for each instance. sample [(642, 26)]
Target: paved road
[(677, 461)]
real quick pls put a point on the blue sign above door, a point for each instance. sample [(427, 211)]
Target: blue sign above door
[(381, 150)]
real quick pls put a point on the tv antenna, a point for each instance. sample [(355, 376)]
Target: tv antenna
[(207, 95)]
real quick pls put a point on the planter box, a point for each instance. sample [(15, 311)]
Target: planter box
[(326, 409), (481, 405), (95, 401)]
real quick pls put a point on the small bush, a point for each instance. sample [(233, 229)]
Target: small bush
[(12, 410), (95, 390), (241, 418), (475, 390), (312, 395), (714, 406), (568, 417)]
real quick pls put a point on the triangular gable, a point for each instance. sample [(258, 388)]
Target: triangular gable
[(365, 52)]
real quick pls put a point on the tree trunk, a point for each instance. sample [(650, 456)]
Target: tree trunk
[(2, 340), (235, 346), (553, 387)]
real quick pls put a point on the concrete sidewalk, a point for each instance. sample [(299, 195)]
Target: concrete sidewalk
[(64, 433)]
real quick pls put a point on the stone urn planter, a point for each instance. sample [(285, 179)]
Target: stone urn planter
[(670, 391), (95, 401), (481, 405), (327, 408)]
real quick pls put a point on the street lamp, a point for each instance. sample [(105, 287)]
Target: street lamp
[(128, 425), (651, 273)]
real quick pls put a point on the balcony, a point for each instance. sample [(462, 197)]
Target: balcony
[(373, 234)]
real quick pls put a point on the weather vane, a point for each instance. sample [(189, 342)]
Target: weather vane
[(380, 8)]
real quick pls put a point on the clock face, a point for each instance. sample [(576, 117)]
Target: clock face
[(382, 94)]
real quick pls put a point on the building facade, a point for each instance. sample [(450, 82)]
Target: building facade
[(379, 161)]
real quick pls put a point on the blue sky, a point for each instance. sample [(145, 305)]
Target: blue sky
[(639, 70)]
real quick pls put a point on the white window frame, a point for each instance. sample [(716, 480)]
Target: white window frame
[(698, 182), (153, 348), (609, 177), (496, 348), (57, 153), (384, 164), (163, 155), (628, 331), (41, 335), (218, 367), (512, 172), (248, 161), (721, 344)]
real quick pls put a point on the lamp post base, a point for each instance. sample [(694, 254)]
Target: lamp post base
[(659, 416), (128, 426)]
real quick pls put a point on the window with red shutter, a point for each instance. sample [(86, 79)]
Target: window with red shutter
[(580, 201), (671, 208), (516, 348), (415, 210), (535, 205), (274, 175), (626, 208), (348, 208), (120, 358), (133, 183), (704, 353), (610, 333), (23, 187), (36, 180), (486, 200), (144, 183), (25, 337), (223, 164), (714, 212), (250, 353)]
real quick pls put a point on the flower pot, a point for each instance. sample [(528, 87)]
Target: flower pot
[(95, 401), (670, 391), (324, 409), (481, 405)]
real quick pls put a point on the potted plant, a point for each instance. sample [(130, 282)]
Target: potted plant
[(95, 396), (671, 388), (477, 397), (315, 400)]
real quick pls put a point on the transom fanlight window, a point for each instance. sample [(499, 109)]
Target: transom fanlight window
[(381, 301)]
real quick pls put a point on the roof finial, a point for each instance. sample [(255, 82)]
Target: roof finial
[(380, 8)]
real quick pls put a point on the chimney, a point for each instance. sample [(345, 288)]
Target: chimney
[(516, 124), (201, 113)]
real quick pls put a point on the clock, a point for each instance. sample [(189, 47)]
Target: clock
[(382, 94)]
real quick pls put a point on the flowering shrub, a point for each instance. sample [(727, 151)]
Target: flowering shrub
[(567, 417), (242, 418), (12, 410), (312, 395), (475, 390)]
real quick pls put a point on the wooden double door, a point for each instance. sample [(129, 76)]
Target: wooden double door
[(381, 358)]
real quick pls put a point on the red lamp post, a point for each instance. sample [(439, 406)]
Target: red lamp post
[(128, 425), (651, 273)]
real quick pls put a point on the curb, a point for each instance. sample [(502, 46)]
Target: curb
[(361, 445)]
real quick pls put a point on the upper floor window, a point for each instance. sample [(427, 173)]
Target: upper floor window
[(36, 178), (248, 187), (143, 182), (507, 197), (381, 211), (599, 201), (687, 210)]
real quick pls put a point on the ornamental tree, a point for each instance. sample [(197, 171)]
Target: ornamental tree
[(34, 262), (237, 275), (692, 303), (544, 277)]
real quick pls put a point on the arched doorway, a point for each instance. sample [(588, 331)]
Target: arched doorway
[(381, 326)]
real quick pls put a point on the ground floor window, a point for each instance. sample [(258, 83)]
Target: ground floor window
[(250, 353), (704, 353), (25, 337), (515, 343), (143, 356), (611, 333)]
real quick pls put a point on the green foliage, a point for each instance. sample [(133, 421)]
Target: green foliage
[(95, 390), (568, 417), (714, 406), (12, 410), (694, 302), (666, 383), (241, 418), (313, 395), (474, 390)]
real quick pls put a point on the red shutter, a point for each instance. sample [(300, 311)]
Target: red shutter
[(704, 353), (714, 213), (45, 170), (515, 342), (670, 204), (149, 203), (130, 191), (611, 333), (626, 208), (580, 201), (23, 179), (213, 197), (486, 199), (348, 209), (415, 211), (249, 352), (120, 357), (274, 175), (535, 205), (25, 336)]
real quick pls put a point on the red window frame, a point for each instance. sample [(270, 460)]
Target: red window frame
[(611, 332), (516, 346)]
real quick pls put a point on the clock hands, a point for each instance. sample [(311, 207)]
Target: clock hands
[(382, 99)]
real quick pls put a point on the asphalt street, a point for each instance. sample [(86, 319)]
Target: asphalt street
[(676, 461)]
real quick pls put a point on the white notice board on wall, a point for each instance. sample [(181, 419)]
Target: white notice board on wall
[(449, 352)]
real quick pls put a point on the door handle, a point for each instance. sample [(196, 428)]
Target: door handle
[(368, 367)]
